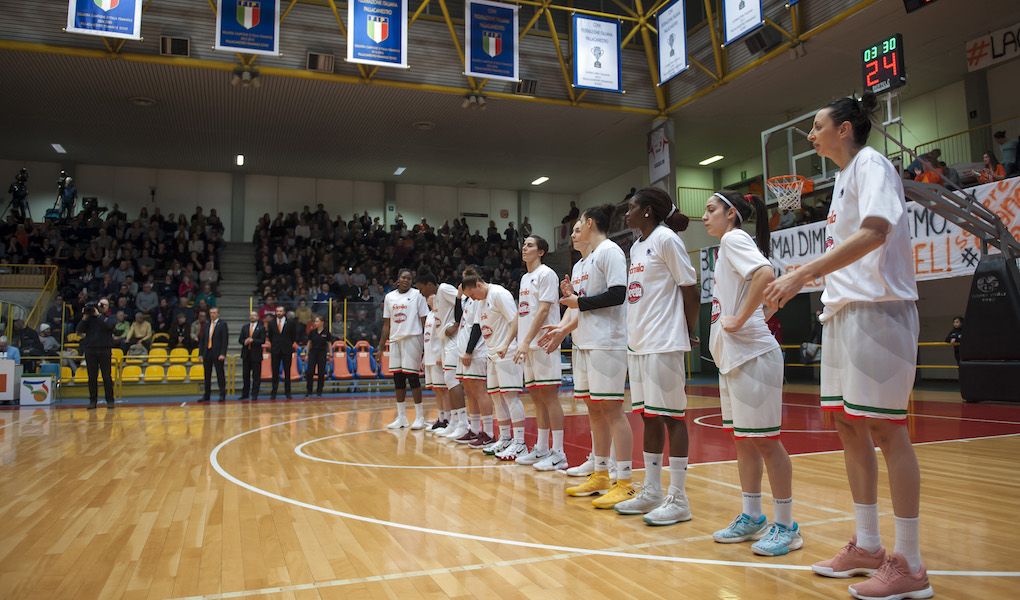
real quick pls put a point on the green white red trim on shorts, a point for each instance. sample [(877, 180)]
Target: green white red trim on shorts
[(542, 383), (859, 411)]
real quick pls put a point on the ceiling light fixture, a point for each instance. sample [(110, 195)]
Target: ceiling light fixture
[(245, 78), (711, 160), (399, 171), (240, 160), (474, 101), (59, 148), (540, 180)]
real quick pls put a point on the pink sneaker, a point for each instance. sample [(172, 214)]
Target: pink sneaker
[(851, 561), (894, 581)]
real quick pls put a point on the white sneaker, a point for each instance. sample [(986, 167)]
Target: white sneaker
[(419, 423), (497, 446), (443, 430), (556, 461), (399, 423), (533, 457), (674, 509), (512, 451), (457, 432), (647, 500), (584, 469)]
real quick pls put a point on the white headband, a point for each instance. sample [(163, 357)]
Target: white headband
[(728, 203), (672, 209)]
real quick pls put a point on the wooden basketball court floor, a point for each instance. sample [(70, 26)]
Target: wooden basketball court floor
[(317, 499)]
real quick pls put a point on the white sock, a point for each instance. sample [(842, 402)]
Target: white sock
[(460, 417), (653, 470), (623, 470), (557, 442), (401, 409), (601, 463), (418, 412), (519, 434), (752, 505), (678, 472), (476, 423), (486, 423), (442, 416), (504, 432), (592, 453), (908, 543), (868, 537), (783, 511), (543, 440)]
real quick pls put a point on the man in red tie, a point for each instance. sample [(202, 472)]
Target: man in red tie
[(212, 346), (253, 335), (282, 336)]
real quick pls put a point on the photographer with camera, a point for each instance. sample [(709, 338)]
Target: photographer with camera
[(97, 328), (68, 194), (19, 195)]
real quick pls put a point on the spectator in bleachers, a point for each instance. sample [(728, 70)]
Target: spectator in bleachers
[(183, 308), (1007, 147), (147, 301), (269, 308), (364, 329), (28, 343), (992, 169), (209, 275), (124, 305), (196, 328), (140, 332), (180, 333), (50, 343), (186, 289), (206, 296), (163, 316), (121, 328), (302, 313)]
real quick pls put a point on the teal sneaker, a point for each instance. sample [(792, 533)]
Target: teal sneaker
[(742, 529), (778, 541)]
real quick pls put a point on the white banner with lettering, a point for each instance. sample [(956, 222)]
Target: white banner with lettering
[(941, 249), (672, 41), (992, 48), (597, 64)]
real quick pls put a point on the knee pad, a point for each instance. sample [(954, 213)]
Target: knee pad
[(499, 407), (399, 380), (516, 407), (413, 380)]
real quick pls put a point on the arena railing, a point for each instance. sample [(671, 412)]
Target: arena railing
[(958, 147)]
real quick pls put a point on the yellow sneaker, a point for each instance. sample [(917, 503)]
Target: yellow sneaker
[(623, 490), (597, 483)]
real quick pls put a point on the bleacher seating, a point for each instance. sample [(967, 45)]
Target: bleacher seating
[(341, 361), (179, 356), (197, 373), (153, 374), (160, 340), (364, 362), (131, 374), (157, 356), (176, 373)]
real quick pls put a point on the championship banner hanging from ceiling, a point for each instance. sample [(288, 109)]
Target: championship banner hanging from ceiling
[(670, 24), (490, 43), (108, 18), (740, 17), (249, 26), (597, 63), (377, 32)]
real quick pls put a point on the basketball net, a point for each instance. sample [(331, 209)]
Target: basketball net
[(787, 190)]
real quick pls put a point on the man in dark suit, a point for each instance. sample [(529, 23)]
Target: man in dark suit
[(253, 335), (212, 347), (282, 335)]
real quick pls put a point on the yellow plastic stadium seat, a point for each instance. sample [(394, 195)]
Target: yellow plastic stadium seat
[(131, 374), (82, 375), (195, 358), (70, 345), (157, 356), (73, 338), (160, 340), (178, 356), (117, 355), (65, 375), (197, 373), (153, 374), (176, 373)]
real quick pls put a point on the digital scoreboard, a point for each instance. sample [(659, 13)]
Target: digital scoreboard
[(884, 68)]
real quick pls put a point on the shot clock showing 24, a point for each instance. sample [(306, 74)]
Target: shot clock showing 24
[(884, 69)]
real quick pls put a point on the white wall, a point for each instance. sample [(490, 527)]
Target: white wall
[(1003, 91), (695, 177), (933, 115), (614, 190)]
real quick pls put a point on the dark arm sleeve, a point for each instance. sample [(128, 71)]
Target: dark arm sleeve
[(458, 310), (614, 296), (476, 334)]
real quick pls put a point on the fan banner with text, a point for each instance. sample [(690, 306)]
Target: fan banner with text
[(670, 23), (248, 26), (377, 32), (940, 249), (108, 18), (740, 17), (490, 40), (597, 63)]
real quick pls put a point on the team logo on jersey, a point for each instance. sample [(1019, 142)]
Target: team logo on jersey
[(486, 332), (523, 310), (829, 243), (399, 318), (634, 292), (716, 310), (428, 336)]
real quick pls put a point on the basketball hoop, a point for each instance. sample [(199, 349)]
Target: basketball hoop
[(787, 190)]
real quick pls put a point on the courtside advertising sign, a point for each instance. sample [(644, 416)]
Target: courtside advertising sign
[(491, 40), (249, 26), (939, 248), (672, 41), (740, 17), (597, 54), (377, 32), (108, 18)]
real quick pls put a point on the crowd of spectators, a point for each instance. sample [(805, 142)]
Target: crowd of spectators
[(306, 260), (152, 268)]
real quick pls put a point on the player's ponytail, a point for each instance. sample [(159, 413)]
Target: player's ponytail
[(747, 207), (856, 112), (600, 215)]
